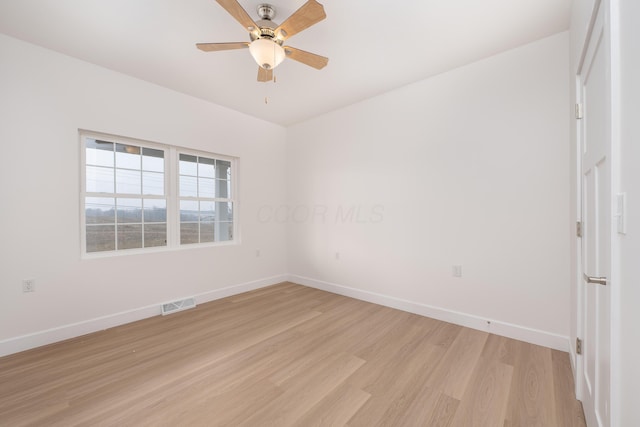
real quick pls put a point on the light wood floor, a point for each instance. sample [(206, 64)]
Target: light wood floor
[(289, 355)]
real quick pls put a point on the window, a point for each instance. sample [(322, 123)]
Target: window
[(127, 205), (206, 208)]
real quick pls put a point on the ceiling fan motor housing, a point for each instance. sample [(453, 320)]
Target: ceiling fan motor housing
[(265, 24)]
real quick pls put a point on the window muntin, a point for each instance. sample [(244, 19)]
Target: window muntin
[(127, 204), (206, 207)]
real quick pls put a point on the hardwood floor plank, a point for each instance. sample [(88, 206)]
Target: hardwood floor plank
[(304, 391), (333, 332), (456, 367), (116, 391), (445, 334), (569, 411), (288, 355), (532, 398), (484, 403), (356, 340), (443, 413), (383, 366), (336, 408), (406, 328), (428, 408), (396, 390), (501, 349), (186, 360), (141, 348), (204, 408)]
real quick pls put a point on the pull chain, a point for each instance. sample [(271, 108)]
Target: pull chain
[(266, 97)]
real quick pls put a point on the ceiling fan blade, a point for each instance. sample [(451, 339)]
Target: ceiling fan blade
[(214, 47), (309, 14), (264, 75), (311, 59), (234, 9)]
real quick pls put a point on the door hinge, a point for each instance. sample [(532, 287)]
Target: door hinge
[(579, 229), (578, 346), (579, 111)]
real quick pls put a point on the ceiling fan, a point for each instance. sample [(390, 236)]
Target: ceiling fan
[(267, 37)]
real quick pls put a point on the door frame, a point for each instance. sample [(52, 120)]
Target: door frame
[(611, 27)]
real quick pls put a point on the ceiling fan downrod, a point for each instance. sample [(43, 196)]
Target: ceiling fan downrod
[(266, 11)]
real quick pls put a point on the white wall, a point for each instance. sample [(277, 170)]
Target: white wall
[(469, 168), (45, 98), (630, 183)]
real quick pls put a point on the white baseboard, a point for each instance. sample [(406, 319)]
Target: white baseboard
[(49, 336), (522, 333)]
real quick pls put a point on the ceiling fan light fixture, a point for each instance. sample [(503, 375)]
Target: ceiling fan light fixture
[(267, 37), (267, 53)]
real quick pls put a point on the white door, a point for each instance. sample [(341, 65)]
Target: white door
[(595, 138)]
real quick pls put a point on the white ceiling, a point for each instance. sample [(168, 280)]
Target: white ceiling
[(373, 46)]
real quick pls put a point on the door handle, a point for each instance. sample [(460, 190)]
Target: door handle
[(597, 280)]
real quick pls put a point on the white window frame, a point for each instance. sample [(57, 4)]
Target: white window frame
[(172, 196), (231, 199)]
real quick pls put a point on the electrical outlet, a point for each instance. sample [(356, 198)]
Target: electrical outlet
[(257, 252), (28, 285)]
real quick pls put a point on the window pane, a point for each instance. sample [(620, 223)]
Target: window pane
[(188, 233), (98, 144), (129, 210), (224, 231), (207, 211), (100, 210), (129, 236), (224, 211), (189, 210), (128, 156), (206, 167), (101, 238), (223, 169), (99, 179), (99, 153), (188, 186), (155, 210), (207, 187), (223, 189), (126, 196), (152, 160), (153, 183), (188, 165), (128, 181), (155, 235), (206, 232)]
